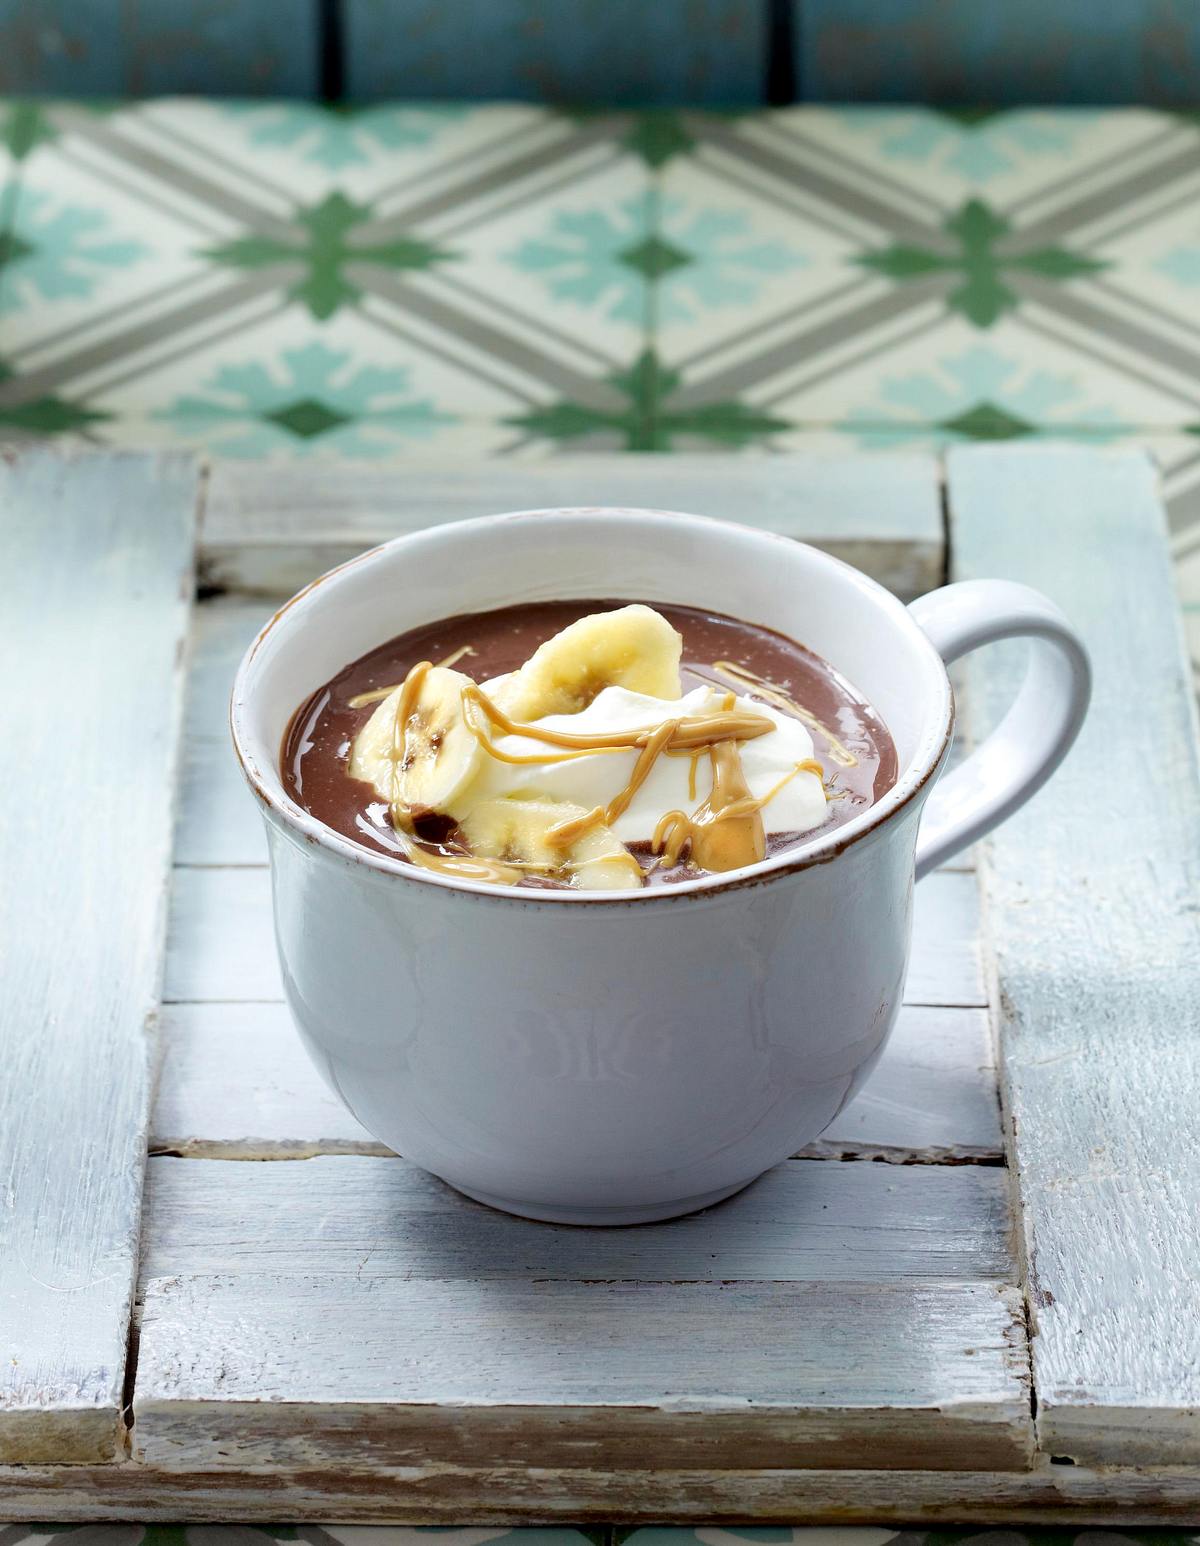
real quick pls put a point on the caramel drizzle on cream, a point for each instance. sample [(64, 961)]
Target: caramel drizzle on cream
[(726, 832), (728, 822), (771, 692), (744, 838)]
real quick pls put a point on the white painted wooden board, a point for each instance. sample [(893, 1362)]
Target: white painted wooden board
[(95, 587), (344, 1312), (345, 1373), (217, 820), (235, 1083), (932, 1096), (804, 1221), (1093, 894), (270, 528)]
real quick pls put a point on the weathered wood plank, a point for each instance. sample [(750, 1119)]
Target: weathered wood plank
[(360, 1218), (1135, 51), (239, 48), (218, 821), (561, 51), (600, 1374), (221, 943), (1092, 895), (514, 1495), (220, 938), (236, 1083), (272, 529), (932, 1096), (95, 585), (945, 966)]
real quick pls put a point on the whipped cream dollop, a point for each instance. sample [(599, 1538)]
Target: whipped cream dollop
[(589, 746), (795, 800)]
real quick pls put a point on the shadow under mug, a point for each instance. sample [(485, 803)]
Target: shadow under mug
[(619, 1057)]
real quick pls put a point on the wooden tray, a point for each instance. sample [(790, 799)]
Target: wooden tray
[(976, 1296)]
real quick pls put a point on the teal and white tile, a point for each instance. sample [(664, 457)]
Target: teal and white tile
[(735, 259), (1150, 279), (95, 251), (1012, 156), (565, 259), (272, 386), (942, 374), (299, 151)]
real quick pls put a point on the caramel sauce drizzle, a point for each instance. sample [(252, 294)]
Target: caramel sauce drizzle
[(728, 823), (771, 692), (378, 694), (724, 833), (453, 658)]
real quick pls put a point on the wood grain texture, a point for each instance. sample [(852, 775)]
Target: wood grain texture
[(218, 821), (272, 529), (237, 48), (932, 1096), (1092, 893), (95, 586), (451, 1334), (607, 52), (236, 1083), (361, 1218), (595, 1375), (1125, 51), (221, 943), (521, 1494)]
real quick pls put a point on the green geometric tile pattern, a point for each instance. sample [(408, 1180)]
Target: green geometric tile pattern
[(268, 279)]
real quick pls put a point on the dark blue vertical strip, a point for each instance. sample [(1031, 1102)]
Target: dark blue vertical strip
[(95, 48), (331, 41), (1002, 53), (608, 53), (782, 47)]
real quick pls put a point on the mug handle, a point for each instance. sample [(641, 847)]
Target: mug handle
[(1036, 733)]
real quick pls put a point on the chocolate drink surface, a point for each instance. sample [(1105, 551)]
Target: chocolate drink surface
[(855, 753)]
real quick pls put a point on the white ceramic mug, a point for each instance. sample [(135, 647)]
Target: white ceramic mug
[(626, 1056)]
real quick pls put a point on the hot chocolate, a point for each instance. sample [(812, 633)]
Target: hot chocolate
[(586, 744)]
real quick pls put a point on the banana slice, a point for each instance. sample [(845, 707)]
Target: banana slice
[(515, 831), (427, 763), (633, 647)]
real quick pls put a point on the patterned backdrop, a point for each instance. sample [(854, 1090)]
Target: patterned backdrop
[(282, 279)]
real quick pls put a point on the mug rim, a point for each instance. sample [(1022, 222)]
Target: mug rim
[(821, 849)]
